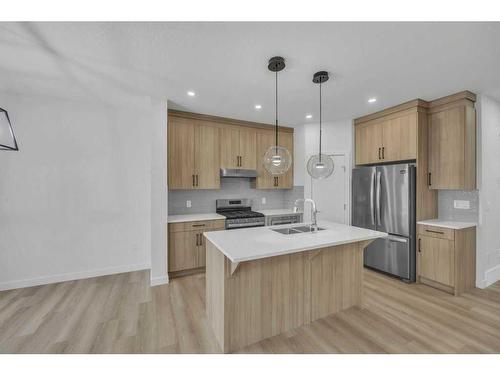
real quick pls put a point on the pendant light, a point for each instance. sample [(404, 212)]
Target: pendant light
[(320, 166), (277, 159), (7, 139)]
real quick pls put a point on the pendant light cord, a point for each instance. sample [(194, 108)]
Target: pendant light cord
[(320, 83), (276, 127)]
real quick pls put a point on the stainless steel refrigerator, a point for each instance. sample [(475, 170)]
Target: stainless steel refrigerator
[(383, 199)]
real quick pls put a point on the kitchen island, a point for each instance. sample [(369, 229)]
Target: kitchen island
[(260, 283)]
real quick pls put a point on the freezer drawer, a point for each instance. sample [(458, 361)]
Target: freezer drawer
[(391, 254)]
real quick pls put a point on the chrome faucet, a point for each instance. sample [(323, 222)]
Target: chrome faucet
[(314, 211)]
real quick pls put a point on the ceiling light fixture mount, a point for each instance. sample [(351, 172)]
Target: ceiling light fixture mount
[(320, 166), (277, 159)]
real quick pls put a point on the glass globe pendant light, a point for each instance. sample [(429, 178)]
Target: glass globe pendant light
[(277, 159), (320, 166)]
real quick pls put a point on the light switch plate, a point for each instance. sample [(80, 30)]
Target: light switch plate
[(461, 205), (263, 200), (188, 204)]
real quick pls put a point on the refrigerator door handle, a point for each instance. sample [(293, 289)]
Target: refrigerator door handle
[(397, 239), (377, 198), (372, 198)]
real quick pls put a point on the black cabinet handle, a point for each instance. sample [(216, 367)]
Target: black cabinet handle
[(379, 154), (383, 153), (419, 245), (193, 181), (434, 231), (198, 225), (196, 180), (429, 179)]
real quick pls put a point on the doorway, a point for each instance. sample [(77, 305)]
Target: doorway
[(332, 194)]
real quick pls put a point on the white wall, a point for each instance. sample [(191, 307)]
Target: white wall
[(159, 201), (75, 201), (299, 156), (488, 235), (337, 137)]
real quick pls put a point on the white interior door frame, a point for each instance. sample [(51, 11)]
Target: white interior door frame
[(347, 182)]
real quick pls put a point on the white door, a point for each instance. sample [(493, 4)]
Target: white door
[(332, 194)]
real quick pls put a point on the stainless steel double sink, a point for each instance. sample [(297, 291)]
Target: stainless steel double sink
[(296, 230)]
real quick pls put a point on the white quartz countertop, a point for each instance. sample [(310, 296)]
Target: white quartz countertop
[(447, 224), (278, 211), (241, 245), (193, 217)]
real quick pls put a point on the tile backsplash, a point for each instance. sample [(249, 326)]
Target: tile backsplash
[(203, 201), (446, 210)]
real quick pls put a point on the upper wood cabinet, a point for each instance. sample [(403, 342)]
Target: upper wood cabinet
[(452, 144), (368, 140), (240, 148), (386, 139), (398, 134), (199, 145), (286, 181), (180, 154), (266, 139), (193, 155), (399, 138)]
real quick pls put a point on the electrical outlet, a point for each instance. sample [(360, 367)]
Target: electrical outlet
[(461, 205), (188, 204), (263, 200)]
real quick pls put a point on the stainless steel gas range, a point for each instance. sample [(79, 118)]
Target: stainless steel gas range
[(239, 214)]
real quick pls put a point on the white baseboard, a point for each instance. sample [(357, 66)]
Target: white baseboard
[(159, 280), (72, 276), (491, 276)]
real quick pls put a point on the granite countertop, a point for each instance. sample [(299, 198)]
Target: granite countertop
[(262, 242), (450, 224), (194, 217)]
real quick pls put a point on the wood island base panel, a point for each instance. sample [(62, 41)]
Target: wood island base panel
[(262, 298)]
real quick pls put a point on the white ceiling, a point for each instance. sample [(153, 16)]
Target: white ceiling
[(226, 64)]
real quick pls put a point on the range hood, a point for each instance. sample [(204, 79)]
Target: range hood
[(228, 172)]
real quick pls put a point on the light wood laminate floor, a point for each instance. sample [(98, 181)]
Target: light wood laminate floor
[(122, 314)]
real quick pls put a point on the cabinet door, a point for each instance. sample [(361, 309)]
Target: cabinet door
[(286, 181), (248, 149), (447, 149), (368, 139), (230, 147), (265, 139), (180, 154), (400, 138), (202, 253), (182, 250), (437, 259), (207, 157)]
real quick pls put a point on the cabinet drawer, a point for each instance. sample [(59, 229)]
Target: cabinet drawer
[(196, 225), (436, 232)]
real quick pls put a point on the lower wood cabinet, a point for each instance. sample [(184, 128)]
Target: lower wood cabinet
[(446, 258), (186, 244)]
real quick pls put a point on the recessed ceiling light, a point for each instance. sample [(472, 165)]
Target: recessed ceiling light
[(258, 106), (372, 100), (191, 93), (309, 116)]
